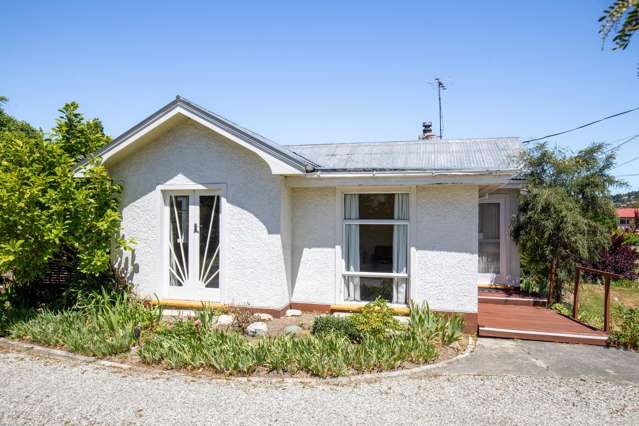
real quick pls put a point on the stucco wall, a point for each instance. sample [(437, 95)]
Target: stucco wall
[(254, 258), (444, 271), (314, 228)]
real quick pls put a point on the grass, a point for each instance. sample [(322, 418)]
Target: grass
[(591, 302), (103, 324), (328, 353)]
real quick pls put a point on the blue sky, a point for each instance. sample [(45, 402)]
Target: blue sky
[(310, 72)]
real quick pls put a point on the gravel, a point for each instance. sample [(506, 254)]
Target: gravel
[(49, 391)]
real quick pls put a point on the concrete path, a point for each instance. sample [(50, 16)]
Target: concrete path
[(504, 382), (523, 357)]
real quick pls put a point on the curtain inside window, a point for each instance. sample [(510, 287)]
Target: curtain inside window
[(400, 248), (489, 241), (351, 211)]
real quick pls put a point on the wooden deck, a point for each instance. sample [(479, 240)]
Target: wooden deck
[(519, 320), (509, 297)]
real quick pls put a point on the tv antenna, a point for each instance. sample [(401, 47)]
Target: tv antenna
[(440, 87)]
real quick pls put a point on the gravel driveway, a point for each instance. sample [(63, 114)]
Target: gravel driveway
[(36, 390)]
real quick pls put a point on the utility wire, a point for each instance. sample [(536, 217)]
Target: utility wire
[(630, 139), (627, 162), (628, 175), (582, 126)]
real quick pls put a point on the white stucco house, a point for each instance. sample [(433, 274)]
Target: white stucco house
[(222, 214)]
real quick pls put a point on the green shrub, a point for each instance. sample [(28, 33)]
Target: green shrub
[(631, 238), (339, 326), (376, 319), (450, 328), (10, 315), (561, 308), (625, 283), (426, 325), (626, 331), (532, 285), (101, 324), (323, 355)]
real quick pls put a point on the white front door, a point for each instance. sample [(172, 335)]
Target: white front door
[(192, 233)]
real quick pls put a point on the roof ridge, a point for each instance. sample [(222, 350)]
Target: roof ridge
[(406, 141)]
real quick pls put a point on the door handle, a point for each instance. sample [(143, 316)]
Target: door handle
[(195, 228)]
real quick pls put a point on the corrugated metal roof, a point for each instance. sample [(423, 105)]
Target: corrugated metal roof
[(626, 212), (464, 155)]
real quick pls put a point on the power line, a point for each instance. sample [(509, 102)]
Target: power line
[(582, 126), (628, 175), (628, 140), (627, 162)]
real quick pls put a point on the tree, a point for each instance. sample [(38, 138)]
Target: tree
[(620, 258), (567, 214), (623, 17), (624, 12), (51, 209)]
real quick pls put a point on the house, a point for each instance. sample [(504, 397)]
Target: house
[(220, 213), (627, 218)]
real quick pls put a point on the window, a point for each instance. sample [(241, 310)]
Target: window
[(489, 238), (376, 247)]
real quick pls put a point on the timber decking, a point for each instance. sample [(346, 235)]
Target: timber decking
[(509, 297), (534, 323)]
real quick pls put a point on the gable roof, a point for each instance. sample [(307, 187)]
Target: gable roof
[(280, 159), (448, 156), (430, 155), (626, 212)]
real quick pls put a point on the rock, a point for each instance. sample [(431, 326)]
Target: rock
[(456, 346), (402, 320), (342, 314), (263, 317), (293, 313), (257, 329), (293, 330), (224, 320)]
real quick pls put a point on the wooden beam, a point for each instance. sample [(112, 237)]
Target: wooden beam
[(575, 302), (399, 310), (186, 304), (607, 304), (600, 272)]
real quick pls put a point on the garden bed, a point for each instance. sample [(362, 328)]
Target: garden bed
[(120, 328)]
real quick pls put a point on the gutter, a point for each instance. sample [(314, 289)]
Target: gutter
[(416, 173)]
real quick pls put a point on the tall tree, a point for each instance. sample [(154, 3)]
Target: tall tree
[(47, 211), (567, 214)]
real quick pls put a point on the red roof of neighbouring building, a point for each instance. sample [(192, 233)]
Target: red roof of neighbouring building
[(628, 212)]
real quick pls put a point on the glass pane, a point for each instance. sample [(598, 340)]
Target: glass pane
[(372, 288), (373, 206), (210, 241), (178, 239), (489, 243), (376, 248)]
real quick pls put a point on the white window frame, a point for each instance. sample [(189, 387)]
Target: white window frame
[(192, 293), (341, 271), (503, 276)]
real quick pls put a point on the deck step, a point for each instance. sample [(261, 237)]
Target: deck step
[(575, 338), (509, 297), (513, 300), (534, 323)]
